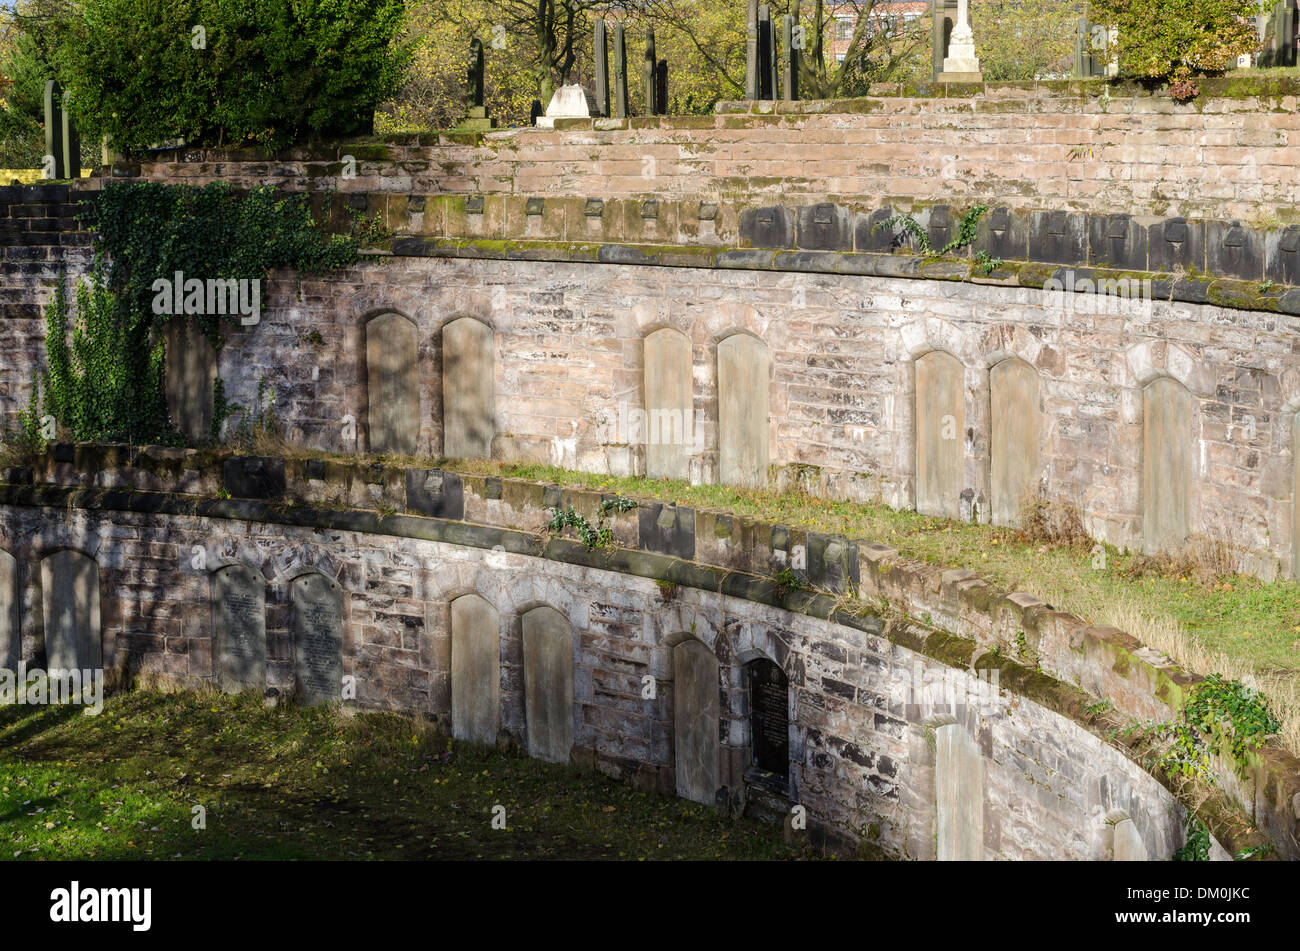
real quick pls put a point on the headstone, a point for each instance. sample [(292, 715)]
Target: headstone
[(669, 404), (1295, 498), (743, 370), (1015, 436), (940, 434), (71, 143), (1166, 465), (191, 365), (567, 102), (548, 684), (790, 77), (475, 670), (649, 74), (961, 65), (766, 55), (239, 608), (661, 88), (316, 603), (695, 721), (53, 103), (959, 795), (602, 69), (10, 632), (477, 116), (468, 389), (393, 384), (70, 598), (620, 73), (769, 716), (1129, 846), (773, 59), (752, 84)]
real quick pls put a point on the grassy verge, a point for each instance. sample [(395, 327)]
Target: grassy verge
[(294, 783)]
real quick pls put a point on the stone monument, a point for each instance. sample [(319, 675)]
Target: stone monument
[(567, 102), (478, 117), (961, 64)]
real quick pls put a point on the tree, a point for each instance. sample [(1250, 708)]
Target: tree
[(1026, 39), (882, 47), (1173, 39)]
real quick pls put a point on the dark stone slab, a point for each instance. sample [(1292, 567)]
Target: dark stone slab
[(832, 562), (770, 227), (552, 496), (1004, 233), (253, 477), (1057, 237), (868, 237), (1282, 255), (435, 493), (825, 227), (667, 529), (1117, 241), (769, 717), (1232, 250), (492, 487), (939, 227), (1176, 244)]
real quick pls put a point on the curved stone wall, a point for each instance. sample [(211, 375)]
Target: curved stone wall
[(889, 750)]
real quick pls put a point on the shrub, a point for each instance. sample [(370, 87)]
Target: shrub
[(1173, 39), (274, 72)]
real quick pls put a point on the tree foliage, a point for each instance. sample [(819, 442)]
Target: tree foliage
[(1026, 39), (1174, 39)]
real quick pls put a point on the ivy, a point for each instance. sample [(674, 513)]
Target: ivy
[(1197, 846), (967, 232), (1219, 718), (591, 536)]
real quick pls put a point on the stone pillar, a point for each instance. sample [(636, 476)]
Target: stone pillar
[(602, 69), (766, 88), (961, 65), (959, 795), (790, 80), (751, 52), (54, 128), (620, 72), (649, 70)]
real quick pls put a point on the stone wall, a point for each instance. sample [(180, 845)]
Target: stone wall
[(862, 742)]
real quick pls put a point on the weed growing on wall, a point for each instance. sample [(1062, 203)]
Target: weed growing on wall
[(1219, 718), (595, 536)]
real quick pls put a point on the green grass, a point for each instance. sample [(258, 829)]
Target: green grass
[(295, 783)]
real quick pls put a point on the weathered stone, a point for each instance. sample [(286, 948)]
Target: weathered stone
[(744, 369), (70, 598), (393, 384), (1117, 241), (1234, 251), (548, 684), (191, 374), (475, 670), (695, 720), (1057, 237), (667, 529), (959, 795), (1015, 437), (468, 389), (1166, 464), (1128, 842), (940, 427), (10, 632), (669, 405), (435, 493), (316, 603), (825, 227), (769, 227), (239, 622), (253, 477)]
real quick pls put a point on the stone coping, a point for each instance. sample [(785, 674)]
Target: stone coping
[(703, 548)]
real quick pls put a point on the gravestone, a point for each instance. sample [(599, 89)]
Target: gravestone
[(766, 54), (1295, 498), (239, 606), (10, 645), (620, 72), (669, 405), (790, 56), (548, 684), (567, 102), (393, 384), (1166, 465), (601, 44), (648, 71), (316, 603), (191, 374), (1129, 846), (475, 670), (940, 428), (695, 721), (468, 389), (62, 144), (1014, 443), (477, 117), (70, 599), (959, 795), (769, 716), (743, 371), (752, 84)]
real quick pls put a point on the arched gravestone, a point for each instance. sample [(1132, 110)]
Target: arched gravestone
[(10, 648), (769, 717), (70, 598), (239, 620), (191, 373), (1295, 498), (1014, 443), (468, 389), (959, 795), (475, 670), (669, 405), (316, 603), (743, 370), (1129, 846), (548, 684), (695, 720), (1166, 465), (940, 427), (393, 384)]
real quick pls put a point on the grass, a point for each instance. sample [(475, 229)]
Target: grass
[(1232, 625), (298, 783)]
